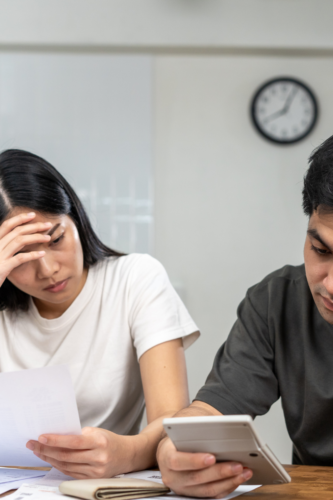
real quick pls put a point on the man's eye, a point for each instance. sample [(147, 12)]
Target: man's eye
[(320, 251)]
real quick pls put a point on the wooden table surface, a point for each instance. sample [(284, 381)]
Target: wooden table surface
[(306, 483)]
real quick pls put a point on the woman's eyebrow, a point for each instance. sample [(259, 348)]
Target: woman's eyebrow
[(54, 228)]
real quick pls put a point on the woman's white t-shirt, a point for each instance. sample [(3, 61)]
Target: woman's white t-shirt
[(126, 307)]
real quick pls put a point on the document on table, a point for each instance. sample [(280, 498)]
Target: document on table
[(47, 488), (34, 402), (10, 479), (152, 475)]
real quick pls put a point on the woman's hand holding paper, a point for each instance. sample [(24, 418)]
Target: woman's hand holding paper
[(96, 453)]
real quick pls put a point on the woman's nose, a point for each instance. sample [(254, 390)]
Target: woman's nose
[(47, 267)]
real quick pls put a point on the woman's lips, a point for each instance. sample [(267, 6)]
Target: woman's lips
[(327, 303), (57, 287)]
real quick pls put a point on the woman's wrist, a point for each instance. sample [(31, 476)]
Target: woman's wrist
[(143, 451)]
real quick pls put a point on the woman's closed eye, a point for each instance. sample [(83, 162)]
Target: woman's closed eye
[(57, 240)]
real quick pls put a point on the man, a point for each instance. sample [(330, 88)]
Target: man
[(280, 346)]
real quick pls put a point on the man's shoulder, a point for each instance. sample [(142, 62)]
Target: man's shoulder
[(285, 275), (286, 287)]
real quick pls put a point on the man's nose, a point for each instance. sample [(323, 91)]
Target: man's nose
[(328, 281), (47, 266)]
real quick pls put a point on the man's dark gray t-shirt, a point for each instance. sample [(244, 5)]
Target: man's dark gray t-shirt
[(279, 346)]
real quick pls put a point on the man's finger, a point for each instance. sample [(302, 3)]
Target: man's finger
[(217, 489), (181, 461), (217, 472)]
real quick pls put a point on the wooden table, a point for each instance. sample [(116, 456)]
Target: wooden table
[(306, 483)]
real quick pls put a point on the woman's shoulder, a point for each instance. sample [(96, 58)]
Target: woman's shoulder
[(132, 266), (130, 262)]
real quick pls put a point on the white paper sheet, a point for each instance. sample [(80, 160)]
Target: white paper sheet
[(13, 485), (152, 475), (8, 475), (34, 402), (45, 488)]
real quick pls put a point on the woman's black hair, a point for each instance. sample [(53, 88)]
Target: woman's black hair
[(318, 180), (26, 180)]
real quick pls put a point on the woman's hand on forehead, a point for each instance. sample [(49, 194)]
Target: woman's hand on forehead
[(16, 233)]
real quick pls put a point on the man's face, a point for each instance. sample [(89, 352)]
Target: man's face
[(318, 258)]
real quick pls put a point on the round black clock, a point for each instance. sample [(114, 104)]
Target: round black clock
[(284, 110)]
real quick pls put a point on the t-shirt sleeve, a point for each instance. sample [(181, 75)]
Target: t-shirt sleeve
[(156, 313), (242, 380)]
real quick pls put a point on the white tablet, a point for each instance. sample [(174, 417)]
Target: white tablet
[(229, 438)]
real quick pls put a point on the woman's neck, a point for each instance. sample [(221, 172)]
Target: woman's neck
[(50, 310)]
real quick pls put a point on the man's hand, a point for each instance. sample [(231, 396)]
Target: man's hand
[(198, 474)]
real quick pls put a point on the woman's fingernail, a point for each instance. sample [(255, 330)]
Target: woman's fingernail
[(209, 460), (30, 214), (247, 475), (47, 224), (41, 252), (37, 454), (42, 440), (30, 446)]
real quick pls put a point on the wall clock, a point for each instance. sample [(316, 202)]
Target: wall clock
[(284, 110)]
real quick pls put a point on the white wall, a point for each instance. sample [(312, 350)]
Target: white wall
[(228, 203), (90, 116), (168, 23)]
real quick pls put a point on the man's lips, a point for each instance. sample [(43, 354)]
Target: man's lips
[(58, 287), (327, 303)]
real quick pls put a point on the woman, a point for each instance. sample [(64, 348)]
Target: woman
[(113, 319)]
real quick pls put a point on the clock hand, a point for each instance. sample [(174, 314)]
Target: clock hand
[(285, 108), (274, 115), (290, 99)]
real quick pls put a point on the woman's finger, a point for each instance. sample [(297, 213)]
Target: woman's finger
[(66, 454), (16, 261), (18, 232), (20, 242), (68, 466), (8, 225), (89, 439)]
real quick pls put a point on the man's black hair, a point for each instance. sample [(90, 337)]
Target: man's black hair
[(28, 181), (318, 181)]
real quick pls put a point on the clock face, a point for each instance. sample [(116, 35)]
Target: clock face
[(284, 110)]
